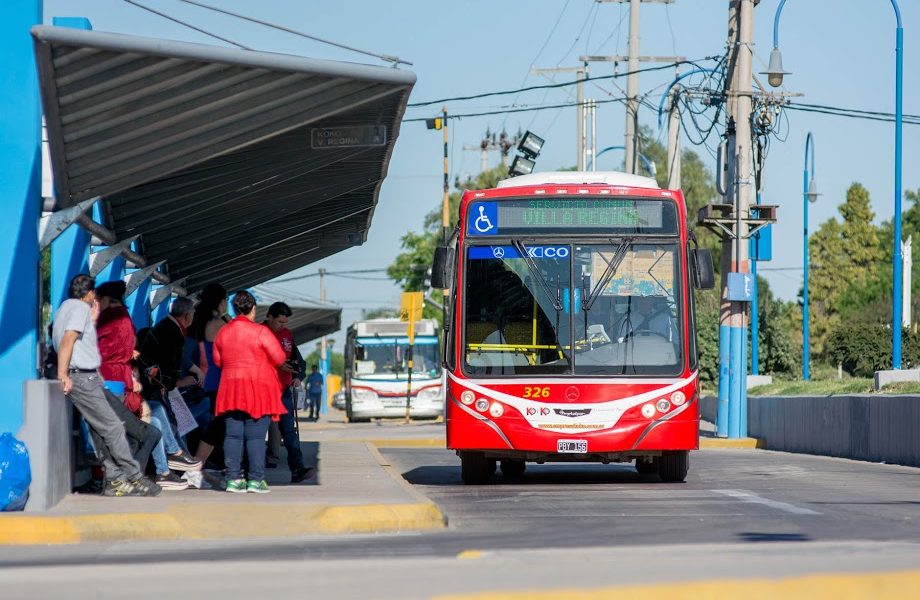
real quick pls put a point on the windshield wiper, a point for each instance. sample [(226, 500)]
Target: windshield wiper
[(555, 300), (612, 266), (535, 272)]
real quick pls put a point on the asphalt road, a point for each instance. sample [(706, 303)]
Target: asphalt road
[(741, 513)]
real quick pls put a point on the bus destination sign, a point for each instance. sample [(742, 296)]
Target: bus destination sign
[(592, 215)]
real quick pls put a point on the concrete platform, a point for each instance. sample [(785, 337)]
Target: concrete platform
[(355, 491)]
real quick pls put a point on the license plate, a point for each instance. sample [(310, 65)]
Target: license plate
[(571, 446)]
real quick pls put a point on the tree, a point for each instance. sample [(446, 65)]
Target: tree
[(379, 313), (846, 257)]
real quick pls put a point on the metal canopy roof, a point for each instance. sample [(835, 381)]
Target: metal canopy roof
[(310, 320), (217, 156)]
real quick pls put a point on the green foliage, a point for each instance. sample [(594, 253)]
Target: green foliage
[(379, 313), (778, 352)]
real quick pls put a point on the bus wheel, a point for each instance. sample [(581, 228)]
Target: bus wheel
[(475, 468), (673, 466), (513, 468), (647, 466)]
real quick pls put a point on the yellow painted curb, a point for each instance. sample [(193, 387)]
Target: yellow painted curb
[(379, 518), (878, 586), (220, 521), (730, 444)]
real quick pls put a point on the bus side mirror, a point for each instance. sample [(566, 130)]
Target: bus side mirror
[(441, 267), (704, 277)]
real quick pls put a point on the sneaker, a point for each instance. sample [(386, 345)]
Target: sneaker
[(257, 487), (118, 487), (183, 462), (145, 487), (302, 473), (171, 481), (236, 486)]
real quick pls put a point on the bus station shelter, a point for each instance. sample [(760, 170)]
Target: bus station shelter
[(174, 165)]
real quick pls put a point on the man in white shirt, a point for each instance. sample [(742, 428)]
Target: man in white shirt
[(74, 337)]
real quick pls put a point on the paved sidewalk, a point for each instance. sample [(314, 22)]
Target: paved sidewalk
[(355, 491)]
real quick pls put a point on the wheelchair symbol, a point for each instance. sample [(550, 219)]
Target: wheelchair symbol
[(482, 223)]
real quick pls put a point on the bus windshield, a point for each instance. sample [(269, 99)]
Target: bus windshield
[(583, 309), (387, 358)]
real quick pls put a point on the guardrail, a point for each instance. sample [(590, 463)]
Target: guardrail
[(874, 428)]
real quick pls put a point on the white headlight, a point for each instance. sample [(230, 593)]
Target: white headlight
[(467, 397), (482, 405), (361, 394), (678, 398), (663, 405), (429, 394), (496, 410), (648, 411)]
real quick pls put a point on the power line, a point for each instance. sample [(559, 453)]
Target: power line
[(189, 25), (308, 275), (385, 57), (559, 85), (852, 113)]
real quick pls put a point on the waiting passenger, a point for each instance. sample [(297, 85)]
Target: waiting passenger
[(248, 355), (74, 337)]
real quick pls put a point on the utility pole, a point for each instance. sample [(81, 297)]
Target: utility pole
[(580, 74), (674, 144), (632, 81), (502, 143)]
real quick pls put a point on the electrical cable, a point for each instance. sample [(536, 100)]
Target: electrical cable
[(384, 57), (189, 25), (555, 85)]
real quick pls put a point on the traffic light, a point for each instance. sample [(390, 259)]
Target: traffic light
[(435, 123)]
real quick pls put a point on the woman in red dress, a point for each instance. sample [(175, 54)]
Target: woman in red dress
[(249, 395)]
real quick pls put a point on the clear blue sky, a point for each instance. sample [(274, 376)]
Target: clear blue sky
[(840, 53)]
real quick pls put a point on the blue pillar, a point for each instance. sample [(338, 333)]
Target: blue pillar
[(736, 381), (21, 194), (162, 309), (69, 257), (724, 380), (112, 271), (138, 305)]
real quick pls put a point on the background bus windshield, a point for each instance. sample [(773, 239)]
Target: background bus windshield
[(524, 316), (388, 358)]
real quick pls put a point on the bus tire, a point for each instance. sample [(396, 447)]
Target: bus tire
[(674, 465), (475, 468), (647, 466), (513, 468)]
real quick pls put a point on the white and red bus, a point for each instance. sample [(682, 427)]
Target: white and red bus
[(571, 333)]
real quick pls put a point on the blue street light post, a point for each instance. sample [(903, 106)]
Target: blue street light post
[(809, 195), (775, 75)]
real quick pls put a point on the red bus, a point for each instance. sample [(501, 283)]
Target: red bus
[(570, 334)]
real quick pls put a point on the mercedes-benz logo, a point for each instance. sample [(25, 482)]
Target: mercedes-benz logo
[(572, 393), (498, 252)]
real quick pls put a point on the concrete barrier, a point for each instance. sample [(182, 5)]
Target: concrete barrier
[(875, 428), (46, 432)]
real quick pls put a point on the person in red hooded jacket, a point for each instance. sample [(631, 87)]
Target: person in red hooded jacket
[(249, 394), (116, 340)]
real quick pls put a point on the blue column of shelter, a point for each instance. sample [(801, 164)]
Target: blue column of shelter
[(20, 189)]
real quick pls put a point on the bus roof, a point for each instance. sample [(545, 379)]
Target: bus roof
[(580, 178)]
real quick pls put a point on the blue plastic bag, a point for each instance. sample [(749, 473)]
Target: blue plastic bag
[(15, 473)]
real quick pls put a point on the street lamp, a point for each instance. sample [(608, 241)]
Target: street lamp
[(775, 77), (809, 196)]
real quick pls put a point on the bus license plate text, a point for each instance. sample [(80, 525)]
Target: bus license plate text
[(571, 446)]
